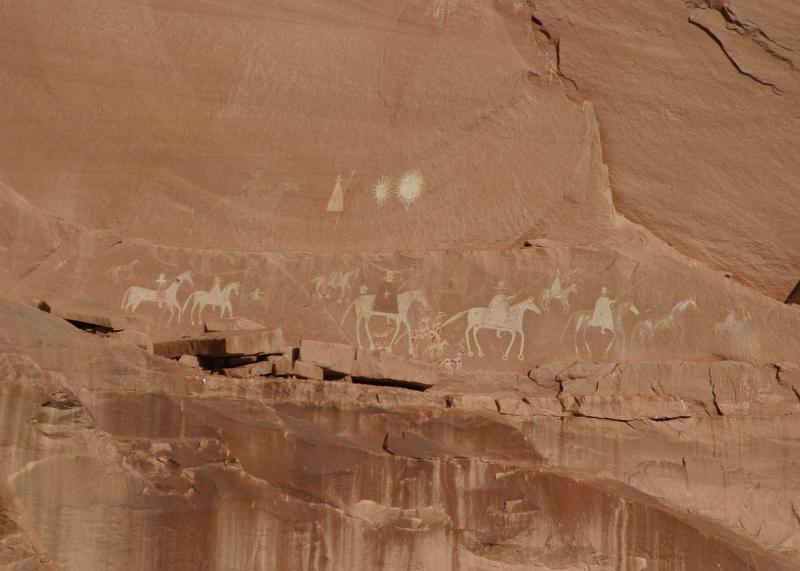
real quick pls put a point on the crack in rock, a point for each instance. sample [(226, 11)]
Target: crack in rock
[(714, 393), (730, 57)]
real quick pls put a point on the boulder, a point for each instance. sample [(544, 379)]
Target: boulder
[(308, 370), (579, 387), (282, 365), (395, 370), (335, 357), (546, 374), (135, 338), (190, 361), (217, 324), (239, 361), (91, 313), (253, 370), (224, 344)]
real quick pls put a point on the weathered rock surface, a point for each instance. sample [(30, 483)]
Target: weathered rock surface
[(262, 368), (216, 324), (569, 226), (306, 370), (403, 475), (90, 313), (135, 338), (224, 344), (394, 369), (332, 356)]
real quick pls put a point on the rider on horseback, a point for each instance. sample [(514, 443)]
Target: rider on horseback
[(602, 316), (216, 288), (386, 298), (498, 310), (161, 282)]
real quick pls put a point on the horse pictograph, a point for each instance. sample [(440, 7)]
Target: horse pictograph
[(669, 326), (584, 320), (163, 297), (512, 322), (733, 324), (328, 284), (201, 299), (124, 271), (556, 292), (365, 310)]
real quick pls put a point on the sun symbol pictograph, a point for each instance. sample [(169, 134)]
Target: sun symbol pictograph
[(410, 187), (382, 190)]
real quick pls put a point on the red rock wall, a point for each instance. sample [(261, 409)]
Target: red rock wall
[(584, 215)]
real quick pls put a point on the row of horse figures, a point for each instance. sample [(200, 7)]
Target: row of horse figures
[(577, 328), (429, 333), (339, 284), (167, 297)]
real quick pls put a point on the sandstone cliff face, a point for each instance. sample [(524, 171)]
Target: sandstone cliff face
[(127, 461), (577, 220)]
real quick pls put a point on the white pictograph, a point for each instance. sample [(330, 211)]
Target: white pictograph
[(551, 68), (162, 296), (336, 281), (336, 200), (556, 292), (733, 324), (669, 328), (608, 316), (382, 190), (125, 271), (216, 297), (428, 336), (453, 364), (435, 350), (441, 10), (397, 310), (410, 186), (499, 316)]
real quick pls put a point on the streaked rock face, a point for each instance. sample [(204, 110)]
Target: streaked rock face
[(525, 258)]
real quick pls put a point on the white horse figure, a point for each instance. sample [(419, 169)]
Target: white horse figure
[(335, 281), (202, 299), (555, 291), (733, 324), (125, 271), (513, 323), (135, 296), (646, 331), (583, 322), (364, 305)]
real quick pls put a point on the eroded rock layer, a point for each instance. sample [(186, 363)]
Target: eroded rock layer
[(503, 275)]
